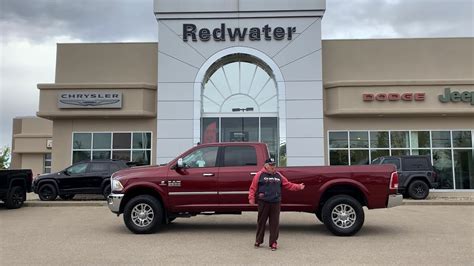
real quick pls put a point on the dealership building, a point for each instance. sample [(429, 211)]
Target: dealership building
[(241, 70)]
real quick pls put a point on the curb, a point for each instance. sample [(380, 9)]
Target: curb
[(438, 202)]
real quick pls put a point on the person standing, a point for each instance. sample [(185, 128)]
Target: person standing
[(266, 191)]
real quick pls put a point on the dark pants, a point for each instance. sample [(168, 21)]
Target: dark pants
[(271, 212)]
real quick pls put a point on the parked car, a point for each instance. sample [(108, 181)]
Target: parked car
[(86, 177), (416, 175), (14, 184), (215, 179)]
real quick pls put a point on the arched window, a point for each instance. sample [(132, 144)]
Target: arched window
[(239, 83)]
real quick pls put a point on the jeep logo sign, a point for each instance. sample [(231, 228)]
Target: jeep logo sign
[(90, 99), (456, 96)]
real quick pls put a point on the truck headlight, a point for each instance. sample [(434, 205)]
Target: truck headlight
[(116, 185)]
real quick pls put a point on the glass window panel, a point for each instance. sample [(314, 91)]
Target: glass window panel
[(47, 170), (359, 157), (379, 153), (400, 152), (98, 167), (212, 93), (462, 139), (100, 155), (441, 139), (47, 163), (282, 159), (220, 82), (122, 141), (142, 140), (121, 155), (417, 163), (141, 157), (269, 134), (210, 130), (379, 139), (204, 157), (239, 101), (420, 139), (442, 162), (270, 106), (267, 92), (240, 129), (82, 141), (77, 169), (232, 73), (210, 106), (240, 156), (421, 152), (338, 140), (464, 168), (78, 156), (260, 80), (359, 139), (339, 157), (102, 140), (247, 71), (47, 156), (399, 139)]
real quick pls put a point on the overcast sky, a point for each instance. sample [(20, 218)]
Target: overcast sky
[(30, 29)]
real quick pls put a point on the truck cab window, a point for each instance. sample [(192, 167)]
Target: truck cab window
[(240, 156), (204, 157)]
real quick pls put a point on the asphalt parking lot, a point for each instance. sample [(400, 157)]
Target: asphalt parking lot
[(405, 235)]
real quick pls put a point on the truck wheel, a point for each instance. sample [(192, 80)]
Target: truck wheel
[(343, 215), (15, 197), (67, 196), (47, 192), (143, 214), (318, 215), (106, 191), (418, 190)]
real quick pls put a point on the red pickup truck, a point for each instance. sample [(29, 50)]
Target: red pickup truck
[(215, 179)]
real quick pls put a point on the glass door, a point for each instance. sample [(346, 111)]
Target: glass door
[(241, 129)]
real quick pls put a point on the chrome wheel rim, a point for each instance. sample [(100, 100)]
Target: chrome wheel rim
[(343, 216), (142, 215)]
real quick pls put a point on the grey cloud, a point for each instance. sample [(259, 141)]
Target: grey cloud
[(398, 18), (89, 20)]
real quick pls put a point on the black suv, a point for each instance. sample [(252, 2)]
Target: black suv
[(86, 177), (416, 175)]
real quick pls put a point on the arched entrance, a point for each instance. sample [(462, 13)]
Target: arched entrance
[(240, 102)]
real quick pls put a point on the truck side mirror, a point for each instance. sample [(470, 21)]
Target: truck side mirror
[(180, 163)]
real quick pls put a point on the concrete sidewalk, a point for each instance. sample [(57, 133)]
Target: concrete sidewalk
[(434, 199)]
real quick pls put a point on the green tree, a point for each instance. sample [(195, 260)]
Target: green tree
[(5, 158)]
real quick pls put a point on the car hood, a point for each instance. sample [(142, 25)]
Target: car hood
[(140, 172)]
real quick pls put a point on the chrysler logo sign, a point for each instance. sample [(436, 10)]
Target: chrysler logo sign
[(89, 99)]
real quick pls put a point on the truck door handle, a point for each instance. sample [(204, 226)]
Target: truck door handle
[(208, 174), (253, 173)]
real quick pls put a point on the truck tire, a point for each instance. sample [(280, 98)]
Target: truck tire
[(106, 191), (343, 215), (47, 192), (15, 197), (143, 214), (67, 196), (318, 215), (418, 190)]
